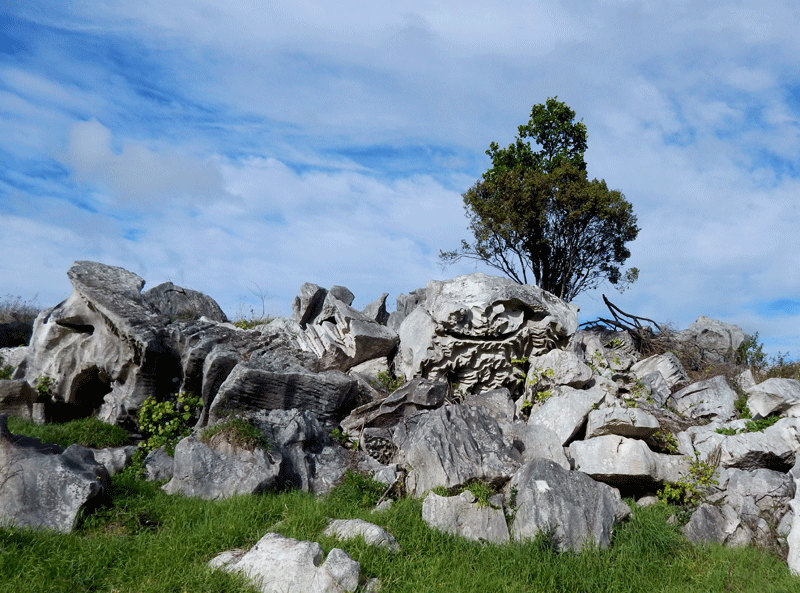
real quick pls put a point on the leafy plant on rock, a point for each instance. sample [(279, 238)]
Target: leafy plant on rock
[(166, 422), (693, 488)]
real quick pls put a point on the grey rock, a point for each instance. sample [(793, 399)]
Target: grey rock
[(498, 403), (793, 538), (278, 564), (182, 303), (343, 294), (158, 465), (714, 339), (706, 525), (45, 486), (278, 380), (657, 388), (452, 445), (532, 441), (114, 459), (13, 356), (17, 398), (418, 394), (709, 399), (667, 364), (376, 310), (405, 304), (768, 492), (773, 395), (462, 516), (626, 422), (557, 367), (567, 505), (469, 329), (221, 470), (565, 412), (625, 462), (773, 448), (373, 535)]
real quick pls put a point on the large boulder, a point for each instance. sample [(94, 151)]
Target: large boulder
[(568, 506), (469, 329), (626, 422), (464, 516), (17, 398), (712, 399), (373, 535), (46, 486), (220, 469), (451, 446), (566, 410), (182, 303), (278, 564), (774, 395), (714, 340), (280, 380), (626, 463), (666, 364)]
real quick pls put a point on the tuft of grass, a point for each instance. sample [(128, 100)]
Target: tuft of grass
[(238, 431), (89, 432)]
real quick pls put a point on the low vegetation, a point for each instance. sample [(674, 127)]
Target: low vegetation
[(240, 432)]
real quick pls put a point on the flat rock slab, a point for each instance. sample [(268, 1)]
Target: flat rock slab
[(566, 410), (773, 395), (626, 422), (462, 516), (278, 564), (712, 399)]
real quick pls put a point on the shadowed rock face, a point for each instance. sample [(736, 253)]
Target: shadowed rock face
[(467, 331)]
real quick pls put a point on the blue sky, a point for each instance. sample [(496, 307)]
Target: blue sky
[(243, 148)]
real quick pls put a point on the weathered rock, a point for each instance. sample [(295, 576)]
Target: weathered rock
[(656, 388), (220, 472), (373, 535), (462, 516), (13, 356), (715, 340), (343, 294), (498, 403), (277, 380), (469, 329), (182, 303), (376, 310), (774, 395), (45, 486), (666, 364), (773, 448), (114, 459), (567, 505), (405, 304), (532, 440), (793, 538), (565, 412), (709, 399), (766, 491), (337, 334), (452, 445), (278, 564), (418, 394), (557, 367), (311, 461), (625, 463), (17, 398), (158, 465), (626, 422), (708, 525)]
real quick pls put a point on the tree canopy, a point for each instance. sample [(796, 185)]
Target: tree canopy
[(536, 213)]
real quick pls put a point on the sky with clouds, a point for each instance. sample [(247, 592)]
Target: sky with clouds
[(244, 148)]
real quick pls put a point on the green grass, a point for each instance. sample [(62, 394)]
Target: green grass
[(147, 541), (89, 432)]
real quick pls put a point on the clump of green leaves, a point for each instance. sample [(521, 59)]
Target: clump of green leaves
[(388, 383), (665, 441), (692, 489), (751, 354), (343, 437), (240, 432), (727, 431), (356, 489), (44, 387), (762, 423), (166, 422), (5, 370), (740, 404)]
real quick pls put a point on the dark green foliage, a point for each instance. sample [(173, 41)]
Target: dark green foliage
[(89, 432), (762, 423), (750, 354), (6, 370), (536, 215)]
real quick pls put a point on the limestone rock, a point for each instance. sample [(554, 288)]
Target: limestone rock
[(373, 535), (45, 486), (114, 459), (462, 515), (667, 364), (714, 339), (625, 462), (182, 303), (452, 445), (774, 395), (709, 399), (278, 564), (566, 410), (626, 422), (568, 505), (220, 472), (557, 367), (533, 440), (469, 329), (17, 398)]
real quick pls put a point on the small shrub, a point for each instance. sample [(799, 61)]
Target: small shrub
[(740, 404), (750, 354), (241, 432), (762, 423), (44, 387), (356, 490), (665, 441), (691, 490), (388, 383), (727, 431), (6, 371), (168, 421)]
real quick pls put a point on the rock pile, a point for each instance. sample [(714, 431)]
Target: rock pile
[(499, 386)]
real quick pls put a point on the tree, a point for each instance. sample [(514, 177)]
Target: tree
[(536, 213)]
